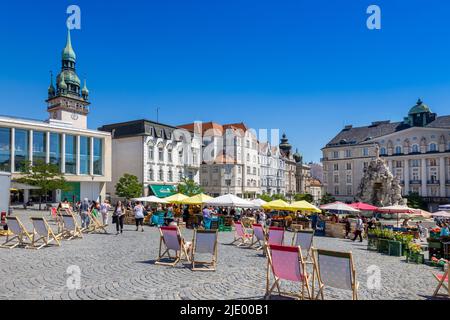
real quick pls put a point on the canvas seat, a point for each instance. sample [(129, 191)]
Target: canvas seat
[(286, 263), (259, 237), (242, 235), (204, 243), (70, 229), (171, 240), (20, 236), (275, 236), (43, 235), (443, 282), (335, 269), (304, 239), (95, 225)]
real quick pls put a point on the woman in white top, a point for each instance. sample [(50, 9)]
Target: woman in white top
[(139, 215)]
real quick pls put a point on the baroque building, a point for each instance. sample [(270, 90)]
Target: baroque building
[(416, 150)]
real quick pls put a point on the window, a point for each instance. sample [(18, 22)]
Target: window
[(180, 175), (151, 175), (98, 156), (349, 190), (336, 167), (161, 174), (248, 157), (169, 155), (432, 163), (349, 178), (348, 153), (349, 166), (21, 144), (335, 154), (248, 170), (415, 175), (151, 153), (85, 155), (336, 179), (432, 147), (170, 177), (5, 149), (383, 151), (415, 148), (415, 163), (254, 171), (336, 190), (55, 149), (365, 165), (365, 152), (71, 154), (161, 154), (398, 150), (180, 156), (398, 164), (39, 147)]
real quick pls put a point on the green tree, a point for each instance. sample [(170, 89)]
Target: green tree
[(304, 197), (279, 197), (265, 197), (189, 187), (327, 198), (129, 187), (46, 176), (415, 201)]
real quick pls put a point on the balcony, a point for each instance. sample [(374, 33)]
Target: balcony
[(415, 182), (433, 182)]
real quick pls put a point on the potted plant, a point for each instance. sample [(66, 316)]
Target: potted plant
[(415, 254), (383, 240)]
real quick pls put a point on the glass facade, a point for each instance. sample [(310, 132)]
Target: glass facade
[(98, 156), (85, 155), (21, 149), (55, 149), (71, 154), (39, 147), (5, 149)]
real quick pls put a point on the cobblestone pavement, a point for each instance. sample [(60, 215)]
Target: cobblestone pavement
[(122, 267)]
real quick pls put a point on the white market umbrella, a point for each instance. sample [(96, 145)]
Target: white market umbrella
[(258, 203), (441, 214), (397, 209), (151, 199), (338, 206), (444, 207), (230, 200)]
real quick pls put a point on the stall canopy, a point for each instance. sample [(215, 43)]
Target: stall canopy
[(363, 206), (258, 203), (163, 191), (197, 199), (150, 199), (338, 206), (396, 209), (420, 214), (445, 207), (230, 200), (441, 214), (277, 205), (176, 198), (304, 206)]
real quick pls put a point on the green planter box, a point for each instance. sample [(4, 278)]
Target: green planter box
[(395, 248), (405, 249), (383, 246), (372, 244), (418, 258)]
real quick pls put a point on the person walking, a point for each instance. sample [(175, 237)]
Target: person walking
[(104, 209), (84, 209), (348, 227), (359, 229), (118, 216), (139, 216)]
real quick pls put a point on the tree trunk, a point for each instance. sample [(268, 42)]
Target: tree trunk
[(40, 202)]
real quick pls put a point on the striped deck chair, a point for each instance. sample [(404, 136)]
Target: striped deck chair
[(95, 224), (42, 233), (304, 239), (70, 228), (242, 235), (171, 240), (259, 237), (443, 282), (286, 263), (205, 243), (20, 236), (275, 236), (335, 269)]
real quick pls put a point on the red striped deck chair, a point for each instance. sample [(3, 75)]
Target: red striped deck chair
[(335, 269), (259, 237), (242, 235), (286, 263), (275, 236), (171, 240)]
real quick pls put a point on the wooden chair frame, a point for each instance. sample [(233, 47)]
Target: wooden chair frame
[(95, 224), (347, 255), (45, 238), (256, 243), (277, 285), (182, 254), (308, 257), (9, 243), (207, 265), (442, 282), (244, 240), (69, 234)]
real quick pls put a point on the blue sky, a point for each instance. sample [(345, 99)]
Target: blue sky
[(305, 67)]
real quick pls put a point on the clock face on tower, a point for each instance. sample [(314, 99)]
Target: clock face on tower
[(74, 116)]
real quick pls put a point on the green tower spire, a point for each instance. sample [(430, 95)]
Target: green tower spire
[(68, 54)]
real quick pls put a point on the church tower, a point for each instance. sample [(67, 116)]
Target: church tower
[(68, 102)]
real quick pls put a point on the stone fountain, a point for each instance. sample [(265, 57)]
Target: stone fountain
[(379, 186)]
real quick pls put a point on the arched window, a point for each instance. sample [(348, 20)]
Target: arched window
[(161, 153), (432, 147), (415, 148), (398, 150), (383, 151)]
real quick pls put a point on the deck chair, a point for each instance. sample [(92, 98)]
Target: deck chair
[(275, 236), (242, 235), (70, 228), (42, 233), (205, 242), (286, 263), (95, 224), (259, 237), (443, 282), (20, 236), (171, 240), (335, 269), (304, 239)]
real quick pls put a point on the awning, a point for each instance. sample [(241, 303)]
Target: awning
[(162, 191), (22, 186)]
